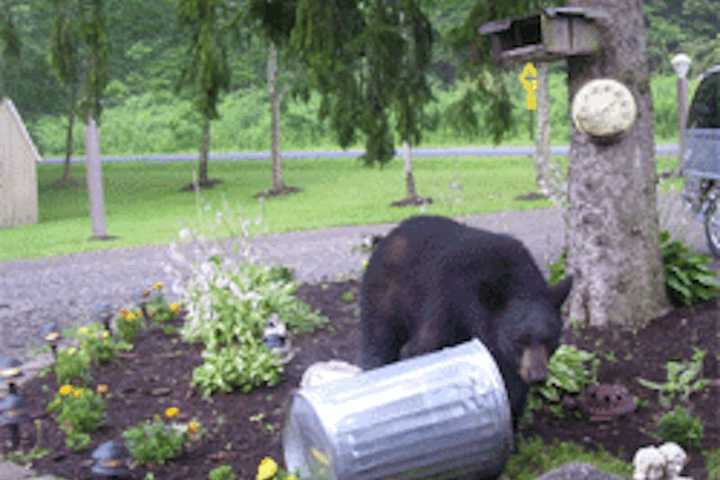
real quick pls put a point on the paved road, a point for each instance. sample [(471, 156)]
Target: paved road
[(499, 151)]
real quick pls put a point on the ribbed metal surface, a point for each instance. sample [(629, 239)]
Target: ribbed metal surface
[(442, 415), (702, 152)]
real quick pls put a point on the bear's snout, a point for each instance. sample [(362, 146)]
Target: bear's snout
[(533, 364)]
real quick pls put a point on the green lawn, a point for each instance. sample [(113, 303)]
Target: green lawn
[(144, 205)]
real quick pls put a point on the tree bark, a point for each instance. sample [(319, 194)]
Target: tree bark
[(275, 98), (409, 178), (613, 236), (204, 154), (69, 138), (94, 179)]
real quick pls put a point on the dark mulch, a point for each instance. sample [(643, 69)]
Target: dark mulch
[(245, 428)]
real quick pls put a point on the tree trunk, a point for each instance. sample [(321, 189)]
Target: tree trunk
[(275, 97), (94, 179), (613, 237), (548, 177), (69, 139), (409, 179), (204, 154)]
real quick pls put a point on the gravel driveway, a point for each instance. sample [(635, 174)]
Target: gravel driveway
[(67, 289)]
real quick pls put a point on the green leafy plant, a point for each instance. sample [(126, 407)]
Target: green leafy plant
[(223, 472), (569, 372), (681, 427), (157, 441), (128, 325), (683, 379), (557, 268), (99, 344), (712, 462), (72, 366), (689, 279), (348, 296), (228, 307), (158, 309), (79, 411)]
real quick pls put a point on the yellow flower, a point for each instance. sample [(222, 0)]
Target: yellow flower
[(101, 389), (172, 412), (83, 330), (175, 308), (193, 427), (124, 312), (77, 393), (267, 469), (71, 351), (291, 477), (130, 317), (158, 285), (65, 390), (105, 334)]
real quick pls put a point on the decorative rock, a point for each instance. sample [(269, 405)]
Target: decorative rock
[(323, 372), (577, 471)]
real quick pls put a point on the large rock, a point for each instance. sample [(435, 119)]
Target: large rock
[(577, 471)]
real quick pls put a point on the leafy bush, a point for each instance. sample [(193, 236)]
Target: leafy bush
[(683, 379), (223, 472), (79, 411), (154, 442), (128, 324), (570, 371), (681, 427), (99, 344), (688, 276), (557, 268), (72, 366)]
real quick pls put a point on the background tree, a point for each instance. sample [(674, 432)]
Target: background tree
[(95, 40), (65, 60), (207, 71), (9, 44)]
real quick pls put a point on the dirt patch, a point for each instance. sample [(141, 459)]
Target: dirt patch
[(245, 428)]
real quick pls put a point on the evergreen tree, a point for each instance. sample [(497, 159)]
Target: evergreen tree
[(207, 73)]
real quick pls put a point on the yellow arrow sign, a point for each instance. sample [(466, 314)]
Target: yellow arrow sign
[(528, 77)]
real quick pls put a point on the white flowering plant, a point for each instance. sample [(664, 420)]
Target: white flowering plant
[(229, 297)]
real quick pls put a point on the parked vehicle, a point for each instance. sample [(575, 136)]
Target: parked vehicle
[(701, 160)]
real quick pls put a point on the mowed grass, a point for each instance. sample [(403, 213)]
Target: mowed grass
[(145, 206)]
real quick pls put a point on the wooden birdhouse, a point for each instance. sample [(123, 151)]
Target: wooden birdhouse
[(553, 34)]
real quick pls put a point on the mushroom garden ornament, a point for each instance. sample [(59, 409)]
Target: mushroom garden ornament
[(52, 336), (10, 370), (111, 461)]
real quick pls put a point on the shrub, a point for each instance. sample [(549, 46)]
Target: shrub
[(99, 344), (681, 427), (156, 441), (72, 366), (688, 276), (128, 324), (223, 472), (79, 411), (570, 371)]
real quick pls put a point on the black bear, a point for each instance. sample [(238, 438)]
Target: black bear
[(433, 283)]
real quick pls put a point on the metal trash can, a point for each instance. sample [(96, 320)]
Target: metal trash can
[(444, 415)]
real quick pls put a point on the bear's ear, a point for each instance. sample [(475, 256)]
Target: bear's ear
[(560, 291)]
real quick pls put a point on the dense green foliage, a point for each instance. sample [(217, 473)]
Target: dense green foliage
[(681, 427), (689, 278), (147, 49)]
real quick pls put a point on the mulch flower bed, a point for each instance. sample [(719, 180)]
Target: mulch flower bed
[(242, 429)]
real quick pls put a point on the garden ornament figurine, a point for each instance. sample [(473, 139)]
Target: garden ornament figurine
[(660, 463), (675, 460), (275, 338), (111, 461)]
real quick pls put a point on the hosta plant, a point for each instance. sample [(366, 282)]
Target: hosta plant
[(570, 371), (683, 379), (689, 279)]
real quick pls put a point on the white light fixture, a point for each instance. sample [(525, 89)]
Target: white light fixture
[(681, 64)]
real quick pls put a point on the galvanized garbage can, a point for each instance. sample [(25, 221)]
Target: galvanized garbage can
[(444, 415)]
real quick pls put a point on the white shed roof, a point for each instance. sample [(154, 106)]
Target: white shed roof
[(14, 116)]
